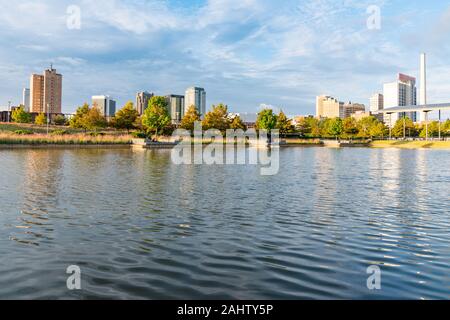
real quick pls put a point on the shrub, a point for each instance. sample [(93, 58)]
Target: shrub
[(23, 132), (59, 132), (139, 135)]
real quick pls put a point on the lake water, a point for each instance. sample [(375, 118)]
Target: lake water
[(141, 227)]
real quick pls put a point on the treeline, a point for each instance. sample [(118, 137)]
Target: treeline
[(156, 121)]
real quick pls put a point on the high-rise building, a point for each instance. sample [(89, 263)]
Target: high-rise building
[(352, 108), (377, 104), (46, 92), (329, 107), (26, 99), (142, 99), (105, 105), (402, 92), (176, 107), (195, 96)]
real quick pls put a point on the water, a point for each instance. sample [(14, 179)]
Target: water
[(140, 227)]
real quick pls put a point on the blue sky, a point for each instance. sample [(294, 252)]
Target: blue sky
[(245, 53)]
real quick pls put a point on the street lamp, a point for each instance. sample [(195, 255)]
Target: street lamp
[(9, 111), (48, 117)]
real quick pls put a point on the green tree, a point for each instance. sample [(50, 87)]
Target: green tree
[(446, 128), (284, 124), (378, 130), (156, 117), (93, 120), (433, 130), (237, 123), (41, 119), (350, 126), (266, 120), (191, 116), (125, 118), (407, 124), (76, 121), (335, 127), (217, 118), (60, 120), (366, 125), (19, 115)]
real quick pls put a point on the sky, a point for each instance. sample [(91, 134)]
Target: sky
[(245, 53)]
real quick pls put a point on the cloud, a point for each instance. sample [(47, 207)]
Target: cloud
[(244, 52)]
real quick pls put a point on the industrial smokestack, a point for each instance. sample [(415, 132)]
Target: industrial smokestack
[(423, 84)]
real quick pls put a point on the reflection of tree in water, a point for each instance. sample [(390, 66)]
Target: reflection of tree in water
[(39, 193)]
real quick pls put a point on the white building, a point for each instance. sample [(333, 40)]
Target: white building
[(376, 104), (402, 92), (26, 99), (105, 104), (195, 96)]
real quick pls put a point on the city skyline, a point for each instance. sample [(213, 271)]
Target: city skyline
[(241, 62)]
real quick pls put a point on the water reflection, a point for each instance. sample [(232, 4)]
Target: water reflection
[(142, 227)]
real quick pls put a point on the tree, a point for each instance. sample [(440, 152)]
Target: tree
[(191, 116), (19, 115), (237, 123), (367, 125), (60, 120), (446, 127), (77, 120), (156, 116), (266, 120), (378, 130), (433, 130), (350, 126), (217, 118), (284, 124), (40, 119), (407, 124), (93, 120), (335, 127), (126, 117)]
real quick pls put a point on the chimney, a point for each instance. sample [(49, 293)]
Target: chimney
[(423, 84)]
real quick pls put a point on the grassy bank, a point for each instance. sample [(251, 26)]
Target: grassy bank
[(411, 144), (66, 139)]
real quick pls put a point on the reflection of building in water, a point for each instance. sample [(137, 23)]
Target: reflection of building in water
[(41, 185)]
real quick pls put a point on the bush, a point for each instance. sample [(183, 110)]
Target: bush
[(139, 135), (23, 132), (96, 134), (60, 120), (59, 132)]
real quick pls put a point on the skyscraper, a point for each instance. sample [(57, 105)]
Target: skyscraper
[(195, 96), (142, 99), (26, 99), (105, 105), (176, 107), (402, 92), (46, 91)]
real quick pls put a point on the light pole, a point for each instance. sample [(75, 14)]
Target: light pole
[(404, 126), (9, 111), (439, 125), (48, 116)]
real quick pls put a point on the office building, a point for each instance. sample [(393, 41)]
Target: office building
[(376, 104), (26, 99), (329, 107), (105, 105), (195, 96), (142, 99), (352, 108), (46, 92), (402, 92), (175, 107)]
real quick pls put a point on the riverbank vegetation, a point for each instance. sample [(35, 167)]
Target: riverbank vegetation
[(88, 125)]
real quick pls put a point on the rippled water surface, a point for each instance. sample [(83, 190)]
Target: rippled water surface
[(141, 227)]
